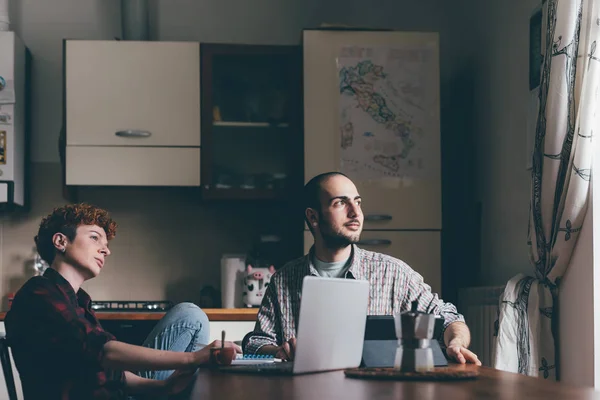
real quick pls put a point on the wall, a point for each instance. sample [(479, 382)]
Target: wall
[(169, 243), (501, 119), (42, 26), (167, 246), (503, 183)]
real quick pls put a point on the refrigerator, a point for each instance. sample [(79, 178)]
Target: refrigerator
[(12, 120), (372, 111)]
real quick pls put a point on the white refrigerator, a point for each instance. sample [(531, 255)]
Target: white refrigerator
[(371, 111)]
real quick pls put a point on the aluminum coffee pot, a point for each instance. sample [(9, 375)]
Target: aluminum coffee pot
[(414, 331)]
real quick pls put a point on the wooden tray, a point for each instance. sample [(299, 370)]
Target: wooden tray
[(438, 374)]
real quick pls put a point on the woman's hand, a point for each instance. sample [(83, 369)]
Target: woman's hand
[(202, 356), (178, 381)]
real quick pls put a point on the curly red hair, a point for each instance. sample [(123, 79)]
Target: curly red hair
[(65, 220)]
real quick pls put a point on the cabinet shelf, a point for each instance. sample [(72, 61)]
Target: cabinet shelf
[(241, 124)]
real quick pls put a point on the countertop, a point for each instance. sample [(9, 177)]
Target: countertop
[(214, 314)]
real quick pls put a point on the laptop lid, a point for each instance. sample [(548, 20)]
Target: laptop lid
[(331, 324)]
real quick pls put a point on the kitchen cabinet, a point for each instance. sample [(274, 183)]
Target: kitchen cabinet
[(251, 121), (133, 109), (371, 111), (134, 327), (129, 331), (136, 331)]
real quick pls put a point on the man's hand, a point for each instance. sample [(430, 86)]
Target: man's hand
[(457, 338), (202, 356), (458, 352), (287, 350)]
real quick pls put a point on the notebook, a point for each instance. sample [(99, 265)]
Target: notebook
[(251, 359)]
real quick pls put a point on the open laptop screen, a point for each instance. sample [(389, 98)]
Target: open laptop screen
[(380, 343), (381, 327)]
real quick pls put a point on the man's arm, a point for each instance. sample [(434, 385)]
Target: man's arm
[(415, 289), (285, 352), (457, 338), (267, 332), (456, 334)]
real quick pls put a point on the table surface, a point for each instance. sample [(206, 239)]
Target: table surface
[(491, 384)]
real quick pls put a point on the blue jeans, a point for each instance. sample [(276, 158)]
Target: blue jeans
[(184, 328)]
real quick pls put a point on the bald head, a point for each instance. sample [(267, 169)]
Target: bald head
[(312, 189), (333, 210)]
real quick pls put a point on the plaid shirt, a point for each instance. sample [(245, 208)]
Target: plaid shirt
[(393, 287), (57, 342)]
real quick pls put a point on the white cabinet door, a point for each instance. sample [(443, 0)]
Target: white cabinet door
[(127, 93), (421, 250), (389, 203), (235, 330), (133, 166)]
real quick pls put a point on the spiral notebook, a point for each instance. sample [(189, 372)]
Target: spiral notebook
[(249, 359)]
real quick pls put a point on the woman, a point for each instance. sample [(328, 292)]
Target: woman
[(59, 346)]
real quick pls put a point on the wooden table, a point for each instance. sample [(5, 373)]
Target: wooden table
[(491, 384)]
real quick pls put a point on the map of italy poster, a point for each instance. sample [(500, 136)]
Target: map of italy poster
[(388, 105)]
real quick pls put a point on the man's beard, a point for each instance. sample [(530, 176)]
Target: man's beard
[(338, 240)]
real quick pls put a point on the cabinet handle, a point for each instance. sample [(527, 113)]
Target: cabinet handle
[(133, 133), (375, 242), (378, 217)]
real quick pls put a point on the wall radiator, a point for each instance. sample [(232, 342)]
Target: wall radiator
[(479, 305)]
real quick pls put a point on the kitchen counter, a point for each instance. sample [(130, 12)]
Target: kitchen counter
[(214, 314)]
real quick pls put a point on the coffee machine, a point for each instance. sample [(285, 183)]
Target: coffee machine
[(414, 330)]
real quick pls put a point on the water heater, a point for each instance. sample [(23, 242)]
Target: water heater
[(12, 119)]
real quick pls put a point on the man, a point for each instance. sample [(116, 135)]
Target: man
[(59, 346), (333, 213)]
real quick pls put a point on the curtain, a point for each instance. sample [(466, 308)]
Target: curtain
[(562, 159)]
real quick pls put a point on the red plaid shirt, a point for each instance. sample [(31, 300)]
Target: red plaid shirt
[(57, 342)]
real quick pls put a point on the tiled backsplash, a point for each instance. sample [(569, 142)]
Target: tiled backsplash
[(168, 245)]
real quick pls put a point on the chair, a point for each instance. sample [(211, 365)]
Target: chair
[(7, 368)]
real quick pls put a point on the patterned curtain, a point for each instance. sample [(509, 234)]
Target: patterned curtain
[(562, 159)]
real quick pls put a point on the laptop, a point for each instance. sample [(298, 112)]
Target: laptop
[(331, 328), (379, 349)]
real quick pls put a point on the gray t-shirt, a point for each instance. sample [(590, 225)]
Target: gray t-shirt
[(335, 269)]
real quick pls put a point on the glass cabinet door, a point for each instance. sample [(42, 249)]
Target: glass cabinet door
[(251, 136)]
